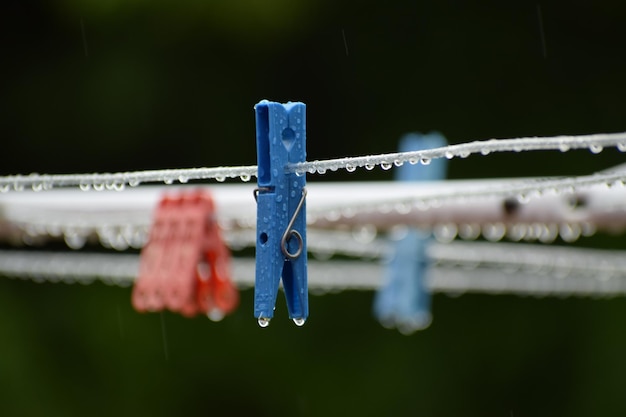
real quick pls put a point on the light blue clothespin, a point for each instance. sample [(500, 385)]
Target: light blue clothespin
[(404, 301), (281, 211)]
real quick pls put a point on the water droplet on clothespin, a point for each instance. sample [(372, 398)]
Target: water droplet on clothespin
[(183, 179), (219, 178), (246, 177), (263, 321), (425, 161), (595, 148), (299, 321), (386, 166)]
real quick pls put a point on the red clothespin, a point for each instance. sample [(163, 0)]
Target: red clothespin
[(185, 266)]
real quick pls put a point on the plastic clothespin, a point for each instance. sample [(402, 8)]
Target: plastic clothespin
[(281, 211), (404, 300), (185, 265)]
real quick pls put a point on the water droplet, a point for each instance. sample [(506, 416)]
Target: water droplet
[(621, 147), (485, 151), (445, 233), (168, 181), (321, 170), (402, 208), (595, 148), (98, 187), (119, 186), (398, 162), (413, 161), (37, 186), (449, 154), (263, 321), (219, 178), (469, 231), (386, 166), (246, 177), (464, 154), (425, 161), (183, 179), (569, 232), (494, 231), (74, 240), (133, 182), (4, 188), (18, 186), (369, 167), (299, 321), (298, 174), (215, 314), (350, 168), (522, 198), (365, 234)]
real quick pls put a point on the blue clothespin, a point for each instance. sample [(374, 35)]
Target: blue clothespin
[(404, 301), (281, 211)]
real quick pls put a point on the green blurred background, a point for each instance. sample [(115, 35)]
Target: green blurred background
[(112, 85)]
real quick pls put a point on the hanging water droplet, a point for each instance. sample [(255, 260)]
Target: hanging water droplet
[(485, 151), (350, 168), (413, 161), (523, 198), (299, 321), (298, 174), (563, 147), (425, 161), (74, 240), (98, 187), (569, 232), (215, 314), (219, 178), (18, 186), (321, 170), (246, 177), (494, 231), (168, 181), (37, 186), (4, 188), (386, 166), (595, 148), (365, 234), (449, 154), (464, 154), (621, 147), (134, 182), (183, 179), (369, 167), (398, 162), (263, 321), (119, 186), (445, 233)]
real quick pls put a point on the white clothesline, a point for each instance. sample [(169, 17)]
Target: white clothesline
[(457, 268), (118, 181)]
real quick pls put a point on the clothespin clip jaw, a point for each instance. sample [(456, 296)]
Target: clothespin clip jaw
[(281, 211), (404, 299)]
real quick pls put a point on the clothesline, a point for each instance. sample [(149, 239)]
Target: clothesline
[(118, 181)]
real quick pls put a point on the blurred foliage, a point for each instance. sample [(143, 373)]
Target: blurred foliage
[(121, 85)]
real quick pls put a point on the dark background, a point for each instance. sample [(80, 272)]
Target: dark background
[(128, 84)]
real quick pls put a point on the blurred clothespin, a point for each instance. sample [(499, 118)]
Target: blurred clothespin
[(281, 211), (404, 300), (185, 265)]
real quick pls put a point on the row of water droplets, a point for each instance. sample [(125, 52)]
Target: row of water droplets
[(595, 143), (118, 181)]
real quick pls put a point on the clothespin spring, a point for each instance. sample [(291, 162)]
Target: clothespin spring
[(289, 232)]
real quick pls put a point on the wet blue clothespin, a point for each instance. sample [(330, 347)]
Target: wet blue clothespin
[(281, 211), (404, 300)]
